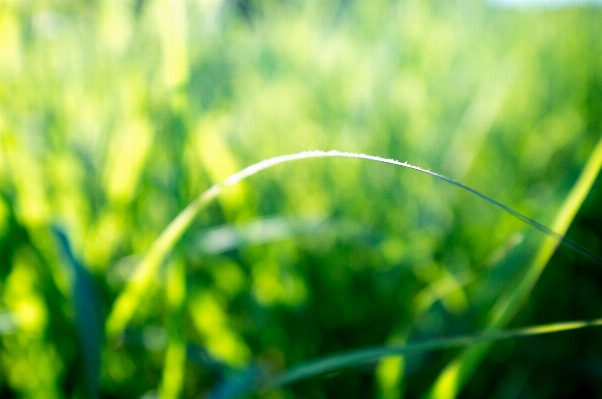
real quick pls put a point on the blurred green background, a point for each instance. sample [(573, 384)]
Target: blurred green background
[(116, 114)]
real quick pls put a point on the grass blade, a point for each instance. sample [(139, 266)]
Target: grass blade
[(454, 376), (127, 301), (354, 358), (228, 237), (87, 317), (236, 385), (175, 355)]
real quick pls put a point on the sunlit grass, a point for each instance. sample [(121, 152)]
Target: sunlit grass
[(115, 116), (459, 371), (128, 301)]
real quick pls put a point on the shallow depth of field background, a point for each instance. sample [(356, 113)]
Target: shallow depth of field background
[(115, 114)]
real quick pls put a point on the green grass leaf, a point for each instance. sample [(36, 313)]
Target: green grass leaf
[(87, 317), (458, 371), (358, 357), (127, 301)]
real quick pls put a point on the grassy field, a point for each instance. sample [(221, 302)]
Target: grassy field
[(116, 115)]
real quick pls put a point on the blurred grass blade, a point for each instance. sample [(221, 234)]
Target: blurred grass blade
[(355, 358), (228, 237), (8, 323), (87, 317), (130, 297), (458, 372), (237, 385), (156, 339), (175, 355), (125, 304), (225, 238)]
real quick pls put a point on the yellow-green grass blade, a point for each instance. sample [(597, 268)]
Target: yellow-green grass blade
[(362, 356), (175, 354), (127, 301), (458, 371)]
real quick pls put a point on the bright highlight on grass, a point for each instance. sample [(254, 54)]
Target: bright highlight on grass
[(126, 303)]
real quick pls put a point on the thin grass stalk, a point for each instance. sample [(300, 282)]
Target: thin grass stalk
[(127, 301), (367, 355), (455, 375)]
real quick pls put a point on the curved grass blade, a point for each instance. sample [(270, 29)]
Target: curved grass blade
[(455, 375), (130, 297), (354, 358)]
